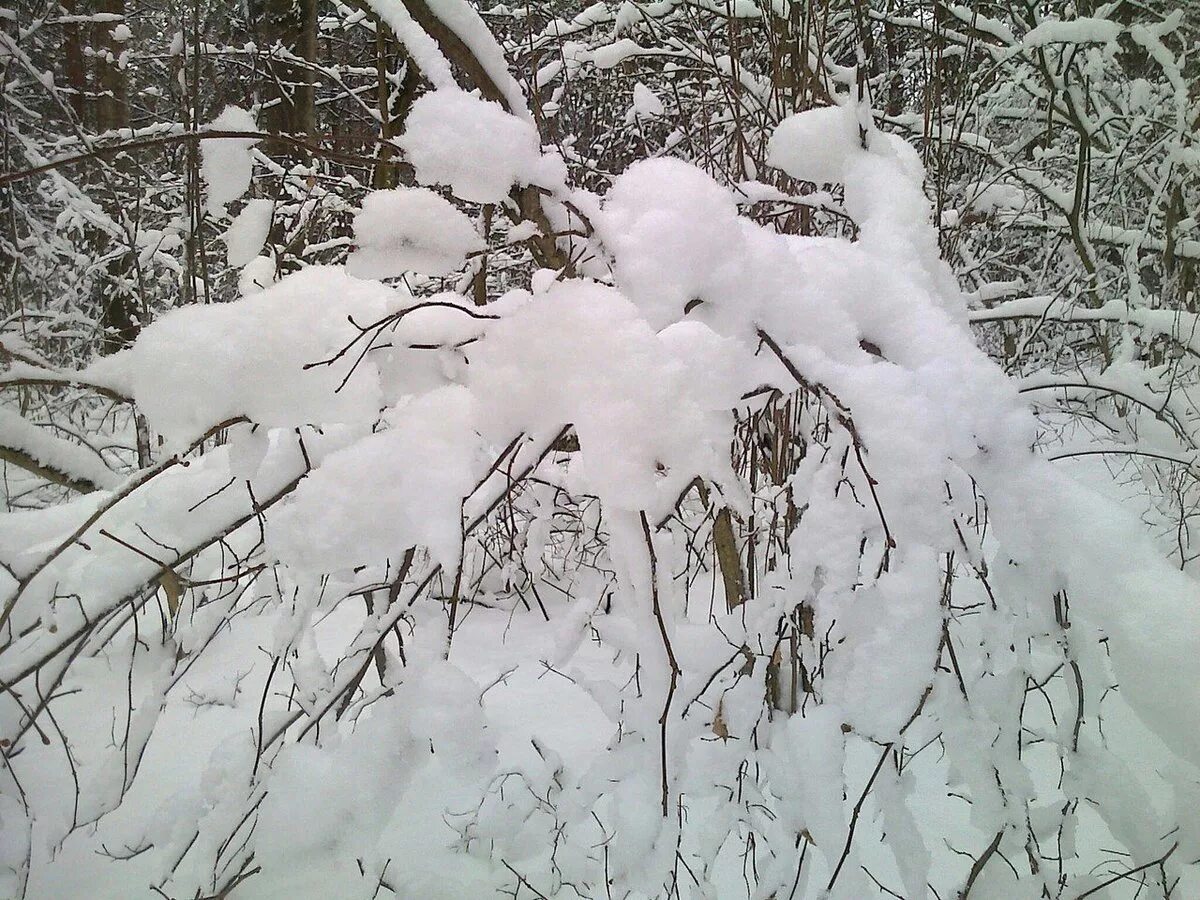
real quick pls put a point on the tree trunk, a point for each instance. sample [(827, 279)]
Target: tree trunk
[(287, 32), (73, 65), (117, 298)]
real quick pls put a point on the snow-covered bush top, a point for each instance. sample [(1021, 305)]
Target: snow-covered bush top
[(363, 655)]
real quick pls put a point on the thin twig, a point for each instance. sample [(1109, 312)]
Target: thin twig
[(662, 628)]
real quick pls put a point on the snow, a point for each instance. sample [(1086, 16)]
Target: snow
[(200, 365), (670, 229), (62, 456), (247, 233), (95, 574), (547, 688), (410, 229), (434, 460), (475, 147), (521, 231), (648, 413), (999, 196), (612, 55), (646, 104), (1142, 604), (225, 163), (257, 275), (1075, 31), (816, 145), (807, 760)]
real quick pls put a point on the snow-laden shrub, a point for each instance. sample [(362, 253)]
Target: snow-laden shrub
[(452, 608)]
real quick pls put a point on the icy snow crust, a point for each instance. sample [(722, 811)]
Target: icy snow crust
[(538, 743)]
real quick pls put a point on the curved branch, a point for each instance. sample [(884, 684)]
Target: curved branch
[(142, 478), (23, 460)]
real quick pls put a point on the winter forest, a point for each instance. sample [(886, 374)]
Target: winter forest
[(682, 449)]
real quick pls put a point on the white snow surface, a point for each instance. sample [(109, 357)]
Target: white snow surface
[(816, 145), (434, 458), (257, 275), (201, 365), (247, 233), (410, 229), (59, 454), (225, 163), (475, 147), (1083, 30), (646, 103)]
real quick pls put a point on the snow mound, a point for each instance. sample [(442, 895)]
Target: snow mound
[(201, 365), (475, 147), (815, 145), (410, 230), (225, 163)]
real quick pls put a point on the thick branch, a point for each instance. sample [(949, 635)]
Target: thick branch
[(23, 460), (194, 136)]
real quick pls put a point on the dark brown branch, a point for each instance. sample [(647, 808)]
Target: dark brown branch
[(862, 798), (50, 473), (977, 868), (842, 412), (185, 137), (1157, 862), (61, 381), (662, 629)]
